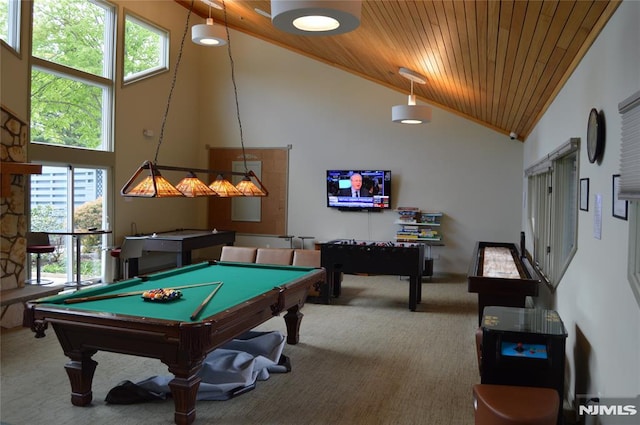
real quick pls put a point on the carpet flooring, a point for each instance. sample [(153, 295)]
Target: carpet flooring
[(364, 359)]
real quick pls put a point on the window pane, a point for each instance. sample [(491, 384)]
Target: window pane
[(10, 22), (65, 198), (72, 33), (88, 200), (49, 195), (66, 112), (568, 183), (4, 20), (145, 49)]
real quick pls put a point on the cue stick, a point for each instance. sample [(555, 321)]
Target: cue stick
[(202, 305), (128, 294)]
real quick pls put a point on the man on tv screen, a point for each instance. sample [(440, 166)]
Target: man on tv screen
[(356, 190)]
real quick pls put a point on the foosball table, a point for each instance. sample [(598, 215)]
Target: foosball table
[(375, 257)]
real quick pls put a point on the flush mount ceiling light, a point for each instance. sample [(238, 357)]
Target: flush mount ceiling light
[(208, 34), (316, 17), (411, 113)]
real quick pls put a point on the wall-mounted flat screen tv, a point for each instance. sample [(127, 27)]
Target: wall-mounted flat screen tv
[(357, 190)]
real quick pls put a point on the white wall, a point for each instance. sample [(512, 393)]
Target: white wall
[(594, 298), (333, 119)]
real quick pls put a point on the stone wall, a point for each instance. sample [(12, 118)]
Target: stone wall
[(12, 218)]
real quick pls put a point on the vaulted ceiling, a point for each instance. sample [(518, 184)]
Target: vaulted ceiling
[(498, 63)]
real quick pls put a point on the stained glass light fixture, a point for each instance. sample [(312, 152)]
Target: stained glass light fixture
[(154, 185)]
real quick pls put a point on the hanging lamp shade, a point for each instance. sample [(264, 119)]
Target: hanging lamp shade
[(208, 34), (152, 186), (316, 17), (224, 188), (411, 113), (191, 186), (248, 188)]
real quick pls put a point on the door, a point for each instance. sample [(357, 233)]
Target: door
[(65, 198)]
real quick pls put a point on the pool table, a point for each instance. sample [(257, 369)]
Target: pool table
[(251, 294)]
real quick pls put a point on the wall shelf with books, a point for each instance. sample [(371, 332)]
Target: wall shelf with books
[(420, 226)]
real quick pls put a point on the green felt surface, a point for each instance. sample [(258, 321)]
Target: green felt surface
[(241, 283)]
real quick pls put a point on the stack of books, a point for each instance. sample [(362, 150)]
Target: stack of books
[(408, 214), (415, 225)]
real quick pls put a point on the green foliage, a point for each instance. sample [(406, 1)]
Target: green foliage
[(86, 216), (65, 112), (70, 33), (46, 218), (143, 47), (65, 109), (4, 20)]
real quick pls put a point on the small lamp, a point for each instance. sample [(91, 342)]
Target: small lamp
[(411, 113), (208, 34), (248, 188), (152, 186), (191, 186), (224, 188)]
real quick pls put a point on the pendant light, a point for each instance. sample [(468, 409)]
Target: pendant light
[(411, 113), (154, 185), (208, 34), (191, 186), (316, 17), (224, 188)]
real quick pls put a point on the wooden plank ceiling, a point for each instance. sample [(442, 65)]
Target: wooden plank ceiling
[(498, 63)]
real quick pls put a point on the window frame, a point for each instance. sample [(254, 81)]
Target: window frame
[(79, 157), (166, 59), (629, 110), (553, 188), (105, 81)]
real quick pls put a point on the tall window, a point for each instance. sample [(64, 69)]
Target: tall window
[(72, 73), (553, 210), (630, 182), (146, 49), (10, 23), (72, 88)]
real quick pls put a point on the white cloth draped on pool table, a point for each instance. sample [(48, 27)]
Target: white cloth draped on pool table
[(232, 368)]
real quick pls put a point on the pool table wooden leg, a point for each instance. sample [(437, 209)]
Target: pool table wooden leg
[(80, 371), (292, 319), (184, 392)]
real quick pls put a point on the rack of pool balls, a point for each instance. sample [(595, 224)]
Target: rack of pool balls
[(161, 295)]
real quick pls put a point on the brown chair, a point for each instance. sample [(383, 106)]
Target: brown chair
[(511, 405), (241, 254), (281, 256), (306, 257), (38, 243)]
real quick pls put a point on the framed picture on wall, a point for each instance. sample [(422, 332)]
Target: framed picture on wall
[(584, 194), (620, 207)]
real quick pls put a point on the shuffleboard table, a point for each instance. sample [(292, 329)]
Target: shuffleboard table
[(251, 294), (501, 276)]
